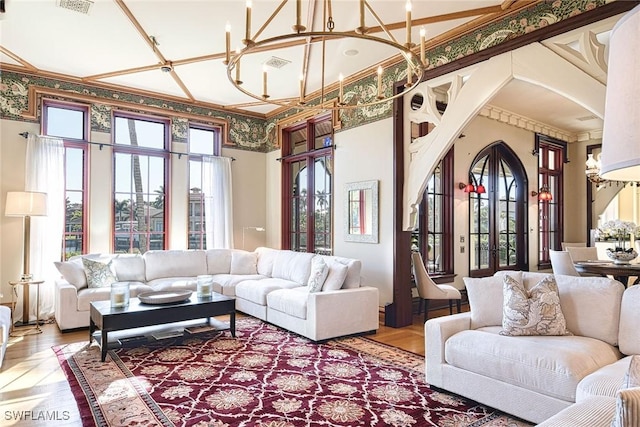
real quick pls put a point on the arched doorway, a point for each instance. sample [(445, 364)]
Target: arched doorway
[(497, 212)]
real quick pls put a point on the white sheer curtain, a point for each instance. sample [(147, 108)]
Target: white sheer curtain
[(45, 173), (218, 201)]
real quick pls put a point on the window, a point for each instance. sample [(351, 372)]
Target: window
[(140, 183), (70, 122), (551, 159), (203, 141), (433, 236), (308, 185)]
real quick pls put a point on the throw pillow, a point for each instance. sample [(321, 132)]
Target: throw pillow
[(485, 300), (243, 262), (536, 312), (72, 272), (336, 276), (319, 271), (99, 274)]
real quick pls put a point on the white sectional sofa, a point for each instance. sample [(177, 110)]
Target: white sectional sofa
[(270, 284), (565, 380), (5, 327)]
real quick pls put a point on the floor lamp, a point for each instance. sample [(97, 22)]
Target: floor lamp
[(26, 204)]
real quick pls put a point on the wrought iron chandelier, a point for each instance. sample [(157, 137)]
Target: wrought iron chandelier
[(247, 81)]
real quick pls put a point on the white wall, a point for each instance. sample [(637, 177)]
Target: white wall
[(362, 154)]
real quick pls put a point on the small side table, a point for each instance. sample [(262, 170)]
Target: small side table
[(25, 309)]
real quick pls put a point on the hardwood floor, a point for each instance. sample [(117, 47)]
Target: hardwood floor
[(34, 390)]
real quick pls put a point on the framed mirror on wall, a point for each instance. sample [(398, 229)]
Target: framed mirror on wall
[(361, 212)]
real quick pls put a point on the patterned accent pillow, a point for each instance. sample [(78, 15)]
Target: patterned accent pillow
[(319, 271), (534, 312), (99, 274)]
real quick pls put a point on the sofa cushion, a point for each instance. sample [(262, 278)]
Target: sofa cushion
[(225, 284), (485, 300), (319, 271), (129, 267), (533, 312), (218, 261), (99, 274), (290, 301), (591, 306), (354, 269), (173, 284), (266, 259), (629, 321), (88, 295), (292, 266), (175, 263), (243, 262), (73, 272), (606, 381), (256, 291), (335, 277), (550, 365)]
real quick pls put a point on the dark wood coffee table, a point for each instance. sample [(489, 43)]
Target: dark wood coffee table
[(138, 314)]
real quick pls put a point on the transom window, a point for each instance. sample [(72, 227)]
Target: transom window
[(140, 182), (70, 122)]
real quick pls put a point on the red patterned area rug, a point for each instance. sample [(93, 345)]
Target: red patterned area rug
[(264, 377)]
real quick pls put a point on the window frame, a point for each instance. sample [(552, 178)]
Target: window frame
[(309, 156), (77, 144), (198, 157), (164, 153), (446, 271), (554, 179)]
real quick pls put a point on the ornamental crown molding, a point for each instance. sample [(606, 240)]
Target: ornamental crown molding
[(517, 120)]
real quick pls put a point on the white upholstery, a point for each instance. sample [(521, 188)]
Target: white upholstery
[(562, 263), (349, 309), (550, 365), (218, 261), (537, 377), (175, 263), (589, 253), (629, 321), (592, 412), (5, 327), (565, 245)]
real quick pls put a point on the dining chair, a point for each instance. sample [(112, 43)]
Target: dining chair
[(589, 253), (561, 263), (430, 290), (565, 245)]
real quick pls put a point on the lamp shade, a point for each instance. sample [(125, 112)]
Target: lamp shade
[(26, 203), (621, 134)]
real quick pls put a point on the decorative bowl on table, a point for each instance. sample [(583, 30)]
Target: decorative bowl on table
[(164, 297), (622, 256)]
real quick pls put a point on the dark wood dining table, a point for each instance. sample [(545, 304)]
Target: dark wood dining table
[(620, 272)]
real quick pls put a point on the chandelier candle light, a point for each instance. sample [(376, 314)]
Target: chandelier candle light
[(307, 39)]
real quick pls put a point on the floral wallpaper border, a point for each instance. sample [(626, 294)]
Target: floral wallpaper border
[(254, 134)]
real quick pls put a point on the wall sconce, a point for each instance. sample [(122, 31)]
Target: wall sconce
[(544, 195), (470, 188)]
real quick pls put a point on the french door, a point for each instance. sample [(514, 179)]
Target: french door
[(497, 212)]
